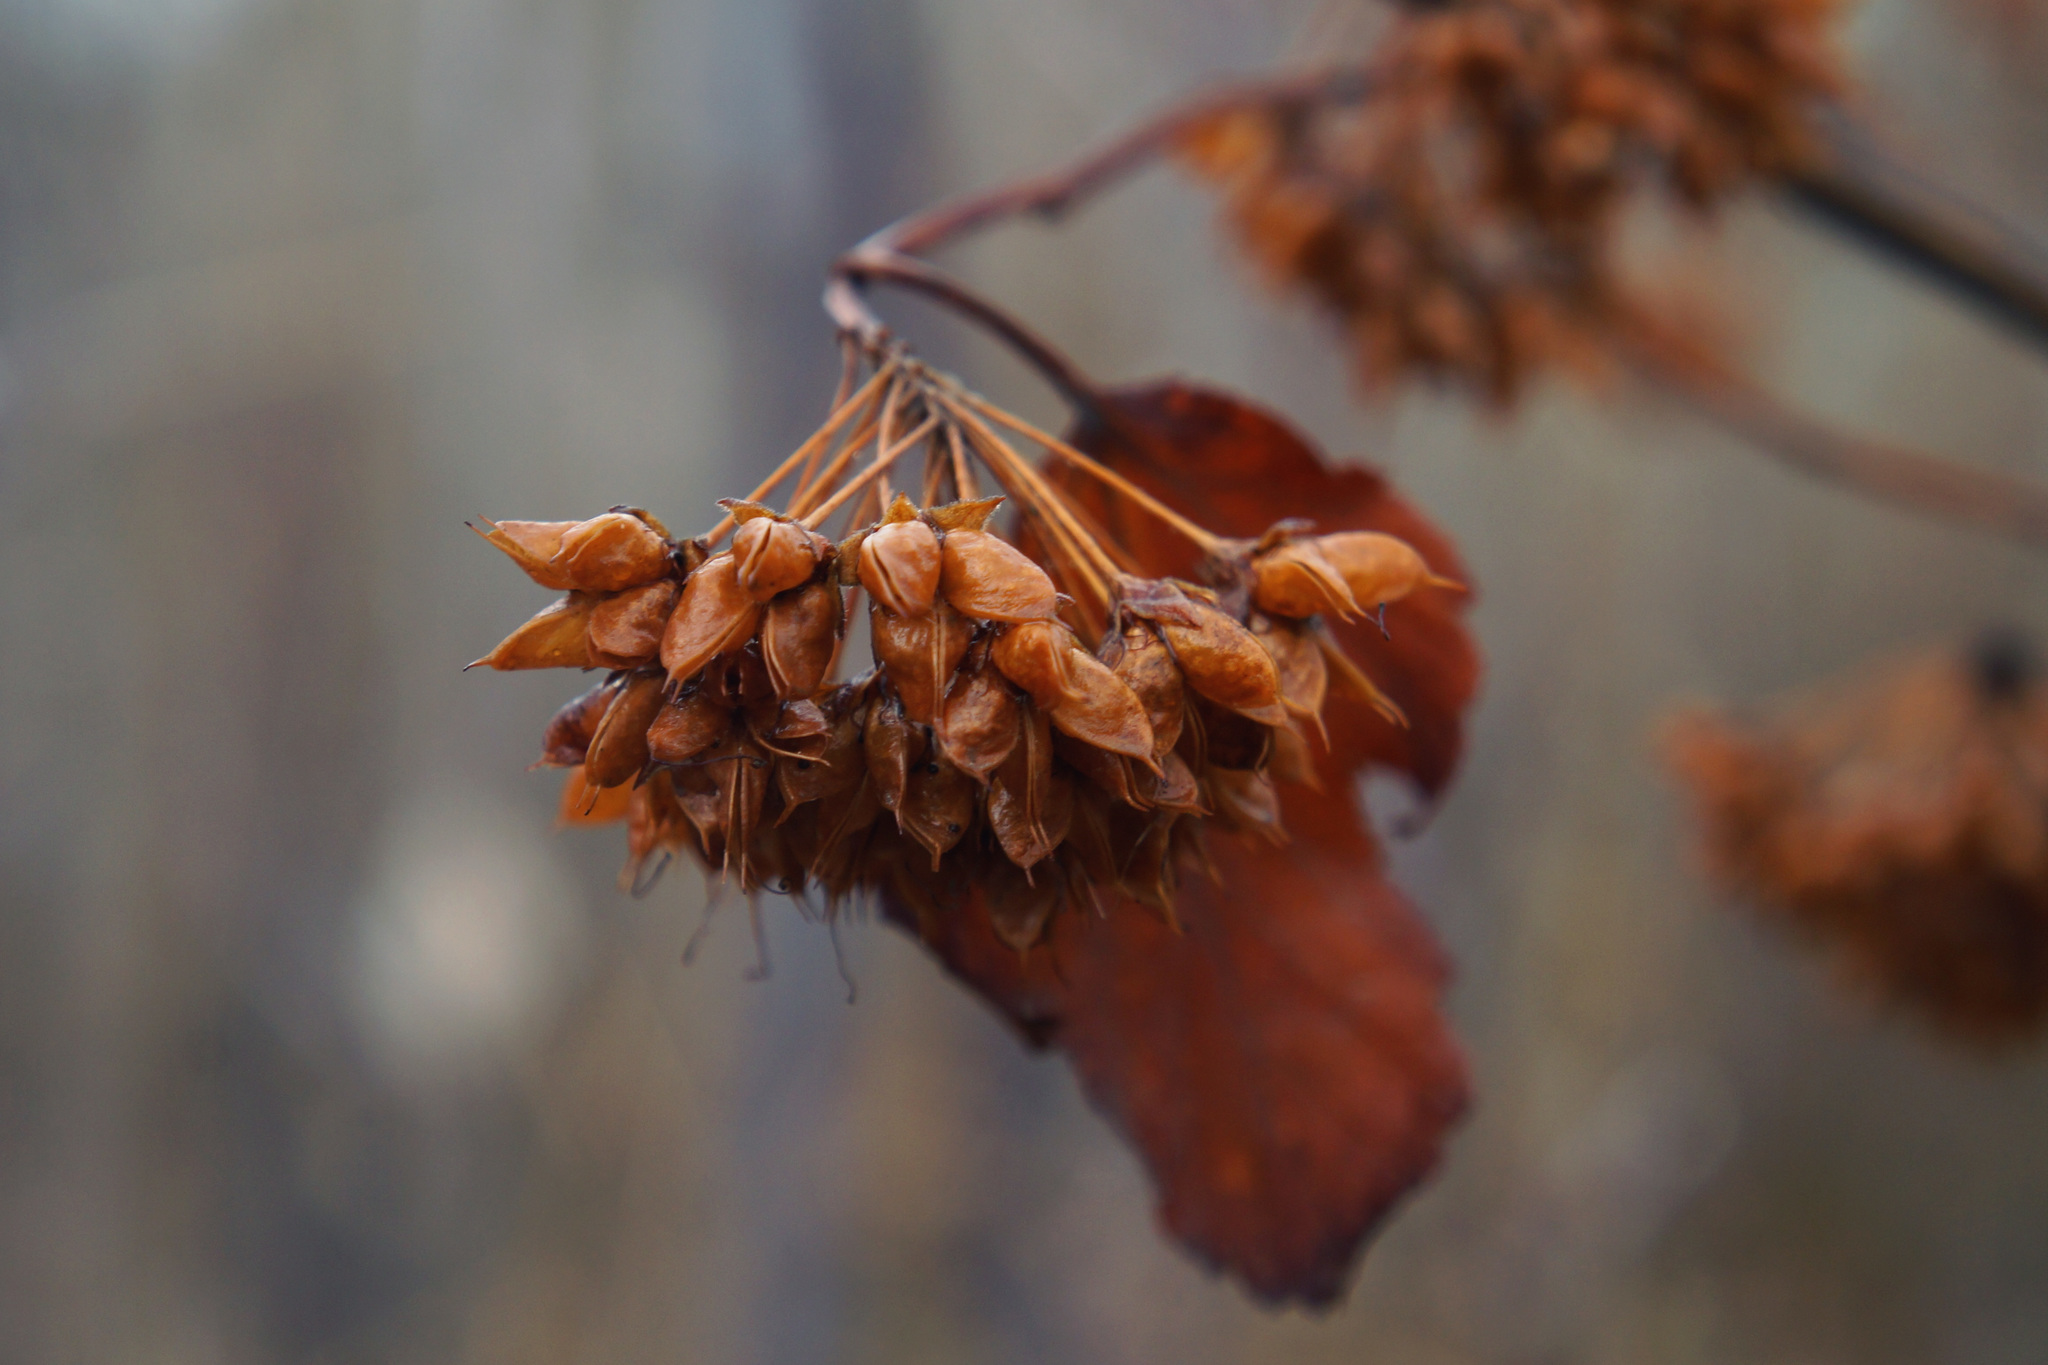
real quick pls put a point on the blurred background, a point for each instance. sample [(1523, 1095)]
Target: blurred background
[(317, 1045)]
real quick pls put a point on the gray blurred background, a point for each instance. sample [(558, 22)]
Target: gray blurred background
[(317, 1045)]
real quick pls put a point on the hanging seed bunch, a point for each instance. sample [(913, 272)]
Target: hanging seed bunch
[(1031, 732), (1458, 217), (1902, 822)]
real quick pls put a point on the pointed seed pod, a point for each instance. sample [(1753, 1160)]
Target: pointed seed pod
[(1225, 663), (980, 723), (887, 739), (1143, 663), (626, 629), (1245, 800), (1029, 808), (687, 726), (1034, 655), (611, 553), (531, 544), (900, 562), (567, 738), (1378, 567), (775, 555), (937, 806), (838, 767), (715, 615), (986, 577), (1295, 580), (1298, 658), (618, 750), (919, 654), (559, 637), (1020, 908), (800, 637), (1101, 711)]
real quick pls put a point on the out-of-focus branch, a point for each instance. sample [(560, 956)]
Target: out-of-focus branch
[(2000, 503), (1861, 193)]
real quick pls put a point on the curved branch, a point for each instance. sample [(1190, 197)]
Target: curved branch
[(1991, 501)]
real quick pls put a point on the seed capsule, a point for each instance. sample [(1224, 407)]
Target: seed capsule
[(920, 654), (986, 577), (1296, 580), (714, 616), (1142, 662), (1099, 709), (900, 562), (887, 739), (611, 553), (1220, 658), (559, 637), (1298, 659), (1033, 655), (1029, 807), (800, 637), (704, 804), (655, 823), (531, 544), (775, 555), (1377, 567), (618, 750), (625, 630), (687, 726), (981, 720), (567, 738), (937, 806), (838, 766)]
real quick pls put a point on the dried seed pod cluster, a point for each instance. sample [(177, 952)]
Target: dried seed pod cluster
[(1900, 820), (989, 750), (1458, 218)]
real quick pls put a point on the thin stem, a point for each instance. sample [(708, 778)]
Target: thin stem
[(878, 431), (816, 442), (963, 473), (1205, 540), (1988, 500), (1025, 481), (867, 476)]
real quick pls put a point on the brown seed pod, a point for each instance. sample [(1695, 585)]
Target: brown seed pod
[(1029, 806), (774, 555), (887, 741), (687, 726), (531, 544), (1377, 567), (1100, 710), (618, 749), (1172, 788), (835, 770), (799, 638), (703, 802), (611, 553), (1143, 663), (714, 616), (559, 637), (1219, 658), (920, 654), (937, 806), (743, 774), (979, 726), (567, 738), (988, 578), (626, 629), (1034, 655), (900, 561), (1106, 772), (1295, 580), (1298, 658)]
